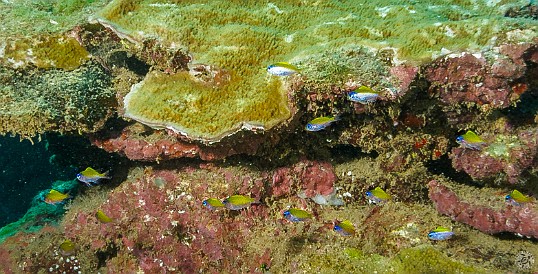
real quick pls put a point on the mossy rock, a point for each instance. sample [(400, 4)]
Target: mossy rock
[(203, 110), (42, 101), (55, 51), (327, 40)]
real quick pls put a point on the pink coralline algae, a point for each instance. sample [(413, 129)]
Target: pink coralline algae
[(522, 220), (470, 78), (511, 157), (160, 224), (312, 177), (162, 146)]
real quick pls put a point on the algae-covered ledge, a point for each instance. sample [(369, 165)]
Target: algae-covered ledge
[(236, 40)]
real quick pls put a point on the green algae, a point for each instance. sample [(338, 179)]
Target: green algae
[(40, 101), (31, 18), (333, 42), (502, 146), (44, 52)]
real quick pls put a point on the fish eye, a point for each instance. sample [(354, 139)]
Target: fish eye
[(286, 213), (204, 202)]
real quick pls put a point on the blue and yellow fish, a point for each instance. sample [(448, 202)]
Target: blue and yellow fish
[(237, 202), (296, 215), (517, 198), (377, 196), (440, 233), (363, 95), (91, 177), (345, 228), (282, 69), (212, 203), (55, 197), (470, 140), (102, 217), (321, 123)]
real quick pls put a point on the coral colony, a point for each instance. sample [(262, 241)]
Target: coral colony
[(290, 136)]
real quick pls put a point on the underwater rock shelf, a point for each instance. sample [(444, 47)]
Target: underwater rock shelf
[(184, 92)]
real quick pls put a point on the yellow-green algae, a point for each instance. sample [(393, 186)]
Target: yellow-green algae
[(55, 51), (205, 111), (35, 102), (244, 37), (31, 18)]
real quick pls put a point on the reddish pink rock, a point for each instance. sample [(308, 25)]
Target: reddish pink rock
[(472, 79), (161, 146), (516, 219), (311, 176), (483, 164)]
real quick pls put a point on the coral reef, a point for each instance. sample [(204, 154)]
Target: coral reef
[(522, 220), (492, 79), (507, 155), (55, 101), (190, 81)]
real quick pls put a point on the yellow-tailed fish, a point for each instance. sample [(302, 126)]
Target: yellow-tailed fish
[(55, 197), (91, 177), (470, 140), (67, 248), (517, 198), (296, 215), (345, 228), (237, 202), (321, 123), (212, 203), (102, 217), (440, 233), (363, 95), (377, 196), (282, 69)]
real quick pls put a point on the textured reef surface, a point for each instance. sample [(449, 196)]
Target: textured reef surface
[(430, 107)]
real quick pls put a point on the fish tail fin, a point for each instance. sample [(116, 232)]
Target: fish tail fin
[(107, 175)]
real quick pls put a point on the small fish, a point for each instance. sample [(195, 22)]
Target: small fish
[(345, 228), (470, 140), (55, 197), (321, 123), (91, 177), (296, 215), (212, 203), (517, 198), (282, 69), (440, 233), (67, 248), (102, 217), (363, 95), (237, 202), (377, 196)]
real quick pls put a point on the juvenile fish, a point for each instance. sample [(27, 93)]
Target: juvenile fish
[(344, 228), (282, 69), (102, 217), (363, 95), (377, 196), (55, 197), (320, 123), (212, 203), (471, 141), (296, 215), (91, 177), (237, 202), (517, 198), (440, 233)]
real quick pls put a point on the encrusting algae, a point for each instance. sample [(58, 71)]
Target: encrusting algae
[(241, 39)]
